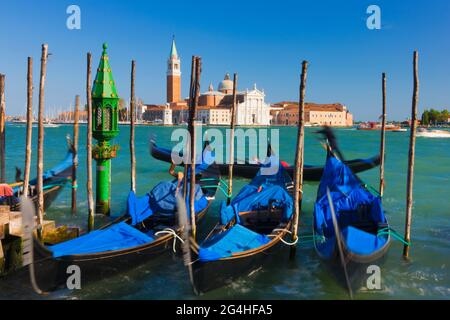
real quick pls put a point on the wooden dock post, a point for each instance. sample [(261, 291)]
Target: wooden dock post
[(383, 133), (26, 174), (299, 157), (412, 152), (75, 154), (2, 129), (40, 155), (232, 124), (89, 144), (132, 125)]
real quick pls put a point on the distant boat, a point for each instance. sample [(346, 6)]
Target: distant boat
[(399, 130), (47, 124), (51, 125), (428, 133), (370, 126)]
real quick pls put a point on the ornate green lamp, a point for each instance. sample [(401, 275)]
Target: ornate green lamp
[(105, 102)]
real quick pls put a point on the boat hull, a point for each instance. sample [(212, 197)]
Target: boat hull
[(248, 170), (52, 273), (215, 274), (357, 266)]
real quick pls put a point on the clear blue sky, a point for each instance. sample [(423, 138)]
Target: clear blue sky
[(264, 42)]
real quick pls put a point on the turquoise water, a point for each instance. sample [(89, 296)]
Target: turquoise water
[(425, 276)]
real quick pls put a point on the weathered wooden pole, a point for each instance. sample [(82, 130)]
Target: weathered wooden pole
[(2, 129), (412, 151), (75, 154), (299, 156), (89, 145), (232, 124), (192, 118), (383, 134), (188, 144), (40, 155), (132, 124), (26, 175)]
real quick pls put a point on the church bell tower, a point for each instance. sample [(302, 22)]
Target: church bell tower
[(173, 75)]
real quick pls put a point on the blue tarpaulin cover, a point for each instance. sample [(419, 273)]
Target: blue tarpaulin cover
[(353, 204), (60, 167), (261, 191), (161, 200), (235, 239), (117, 236), (258, 193)]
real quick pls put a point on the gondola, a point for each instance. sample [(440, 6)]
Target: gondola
[(251, 230), (147, 229), (360, 220), (53, 182), (248, 170)]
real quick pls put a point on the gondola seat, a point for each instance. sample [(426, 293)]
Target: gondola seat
[(361, 242), (236, 239), (117, 236), (161, 201)]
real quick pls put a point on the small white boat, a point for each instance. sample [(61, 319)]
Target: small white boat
[(48, 125), (400, 130), (428, 133), (51, 125)]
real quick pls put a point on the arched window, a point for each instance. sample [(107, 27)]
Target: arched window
[(98, 116), (107, 118)]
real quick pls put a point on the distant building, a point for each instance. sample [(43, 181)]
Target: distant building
[(215, 106), (158, 114), (173, 76), (336, 114)]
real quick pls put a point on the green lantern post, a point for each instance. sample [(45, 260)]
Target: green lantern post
[(104, 128)]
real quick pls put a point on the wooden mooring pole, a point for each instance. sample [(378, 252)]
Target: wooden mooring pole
[(132, 125), (26, 174), (90, 195), (40, 155), (75, 154), (412, 151), (383, 133), (188, 144), (192, 124), (299, 157), (232, 124), (2, 129)]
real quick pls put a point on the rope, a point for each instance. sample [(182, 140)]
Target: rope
[(217, 186), (282, 240), (310, 237), (52, 185), (220, 188), (175, 237), (372, 188), (394, 234)]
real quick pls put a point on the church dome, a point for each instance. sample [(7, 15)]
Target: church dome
[(226, 85)]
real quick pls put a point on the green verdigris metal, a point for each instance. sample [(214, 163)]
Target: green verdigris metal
[(105, 102)]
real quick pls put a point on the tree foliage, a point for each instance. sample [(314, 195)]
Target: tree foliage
[(433, 116)]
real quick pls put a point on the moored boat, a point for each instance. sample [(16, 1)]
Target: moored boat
[(147, 229), (251, 231), (54, 181), (249, 170), (359, 231)]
